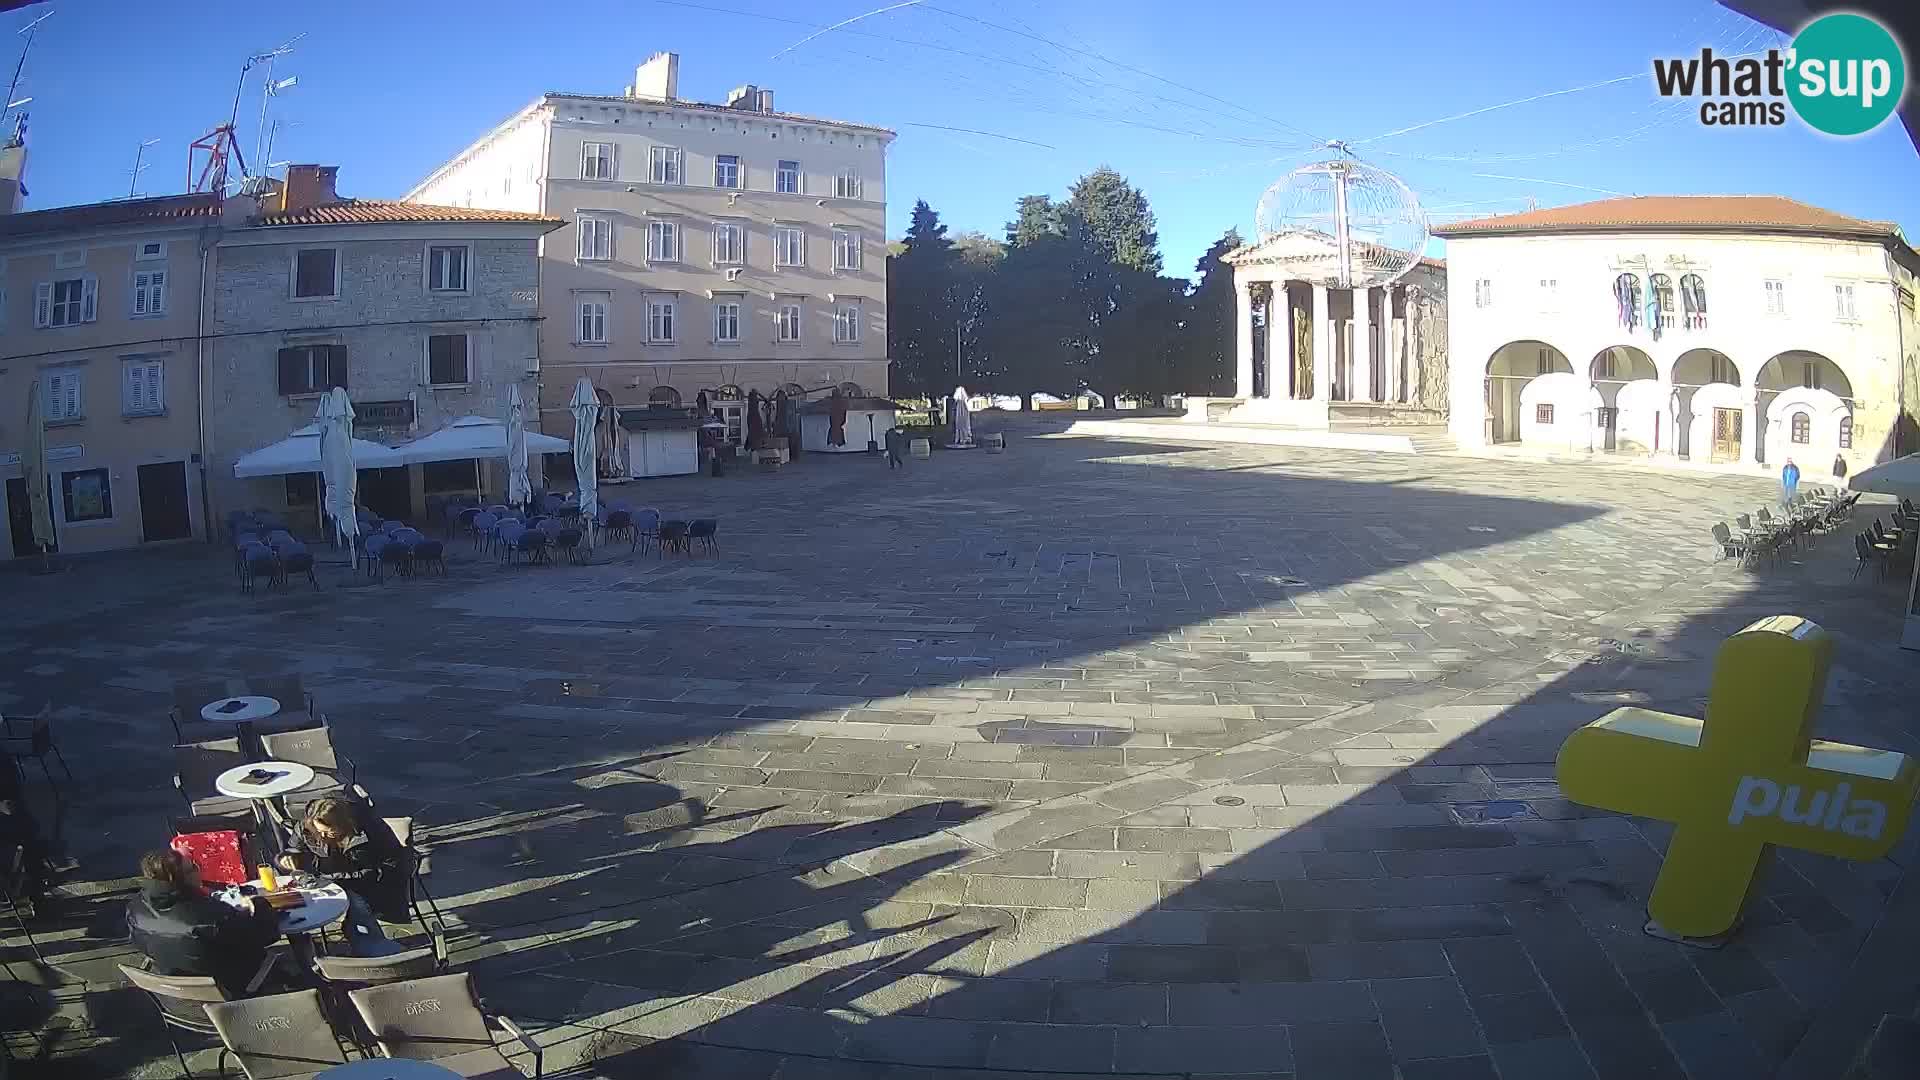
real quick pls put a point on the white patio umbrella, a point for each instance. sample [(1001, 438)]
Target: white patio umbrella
[(33, 470), (1901, 477), (475, 437), (585, 407), (519, 490), (337, 470)]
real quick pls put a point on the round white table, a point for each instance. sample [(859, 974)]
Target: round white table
[(285, 776), (239, 710), (326, 904), (387, 1069)]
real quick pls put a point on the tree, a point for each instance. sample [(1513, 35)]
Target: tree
[(1204, 358), (1035, 216), (921, 312), (1118, 219)]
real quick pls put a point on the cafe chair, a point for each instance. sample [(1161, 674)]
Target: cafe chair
[(296, 704), (189, 698), (34, 739), (349, 973), (15, 891), (440, 1019), (403, 831), (197, 765), (182, 1000), (278, 1037), (313, 748)]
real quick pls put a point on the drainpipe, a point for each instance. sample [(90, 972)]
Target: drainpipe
[(1900, 365), (207, 242)]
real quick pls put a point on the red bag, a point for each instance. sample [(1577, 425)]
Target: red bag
[(221, 856)]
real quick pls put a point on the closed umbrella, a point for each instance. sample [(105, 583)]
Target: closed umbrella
[(33, 470), (585, 407), (519, 490), (337, 471), (1901, 477)]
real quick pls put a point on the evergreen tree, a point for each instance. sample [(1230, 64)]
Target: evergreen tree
[(1204, 358), (1118, 219), (921, 310), (1035, 216)]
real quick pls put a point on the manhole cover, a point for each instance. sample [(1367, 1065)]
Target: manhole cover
[(1494, 810), (1229, 800)]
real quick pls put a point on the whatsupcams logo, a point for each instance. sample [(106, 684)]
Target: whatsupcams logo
[(1844, 74)]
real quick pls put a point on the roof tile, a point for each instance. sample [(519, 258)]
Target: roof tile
[(102, 215), (1765, 213), (386, 212)]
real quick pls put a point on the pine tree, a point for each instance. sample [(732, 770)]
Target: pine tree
[(1204, 359), (921, 310), (1118, 218), (1035, 216)]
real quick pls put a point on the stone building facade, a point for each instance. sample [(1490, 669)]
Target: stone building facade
[(718, 248), (424, 314)]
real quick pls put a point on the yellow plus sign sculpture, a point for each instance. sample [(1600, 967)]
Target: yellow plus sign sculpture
[(1748, 776)]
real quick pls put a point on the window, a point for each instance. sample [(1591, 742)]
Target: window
[(65, 400), (442, 477), (786, 324), (143, 387), (1846, 433), (1603, 365), (846, 249), (846, 324), (1626, 300), (86, 495), (729, 244), (1810, 374), (447, 268), (1549, 294), (596, 161), (846, 184), (1483, 292), (593, 317), (595, 236), (316, 274), (664, 395), (447, 360), (1693, 301), (1843, 303), (67, 302), (663, 164), (1723, 371), (1776, 296), (1543, 414), (726, 321), (660, 320), (1663, 300), (663, 241), (786, 178), (152, 249), (312, 369), (789, 246), (1802, 428), (149, 292), (726, 171)]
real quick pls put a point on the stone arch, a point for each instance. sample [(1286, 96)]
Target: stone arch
[(1611, 371), (1804, 368), (1703, 380), (1704, 367), (1805, 424), (1510, 368), (1780, 379), (1557, 409), (664, 395)]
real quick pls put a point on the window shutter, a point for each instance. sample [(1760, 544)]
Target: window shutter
[(336, 367), (43, 303), (89, 296), (155, 372), (289, 363), (583, 229)]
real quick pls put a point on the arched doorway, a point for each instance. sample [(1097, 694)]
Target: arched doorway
[(1613, 370), (665, 396), (1823, 396), (1511, 367), (1707, 414)]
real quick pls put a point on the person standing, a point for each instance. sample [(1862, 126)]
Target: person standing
[(1839, 467), (1789, 482), (896, 444)]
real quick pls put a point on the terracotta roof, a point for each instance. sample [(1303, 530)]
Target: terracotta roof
[(390, 212), (1714, 213), (165, 209), (727, 110)]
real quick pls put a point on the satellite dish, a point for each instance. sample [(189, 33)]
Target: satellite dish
[(1369, 223)]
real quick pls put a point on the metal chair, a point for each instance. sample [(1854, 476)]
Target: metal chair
[(1729, 546), (188, 699), (14, 890), (403, 831), (1866, 552), (646, 527), (196, 765), (349, 973), (181, 1001), (297, 711), (295, 559), (704, 530), (36, 742), (256, 560), (278, 1037), (312, 747), (440, 1019)]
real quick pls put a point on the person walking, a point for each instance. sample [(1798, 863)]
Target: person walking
[(896, 444), (1839, 467), (1789, 483)]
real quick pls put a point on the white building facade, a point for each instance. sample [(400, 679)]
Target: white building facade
[(1732, 331), (707, 248)]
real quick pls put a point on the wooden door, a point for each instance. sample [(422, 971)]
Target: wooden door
[(163, 502), (1726, 435)]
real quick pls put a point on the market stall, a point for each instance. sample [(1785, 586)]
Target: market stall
[(863, 424), (661, 441)]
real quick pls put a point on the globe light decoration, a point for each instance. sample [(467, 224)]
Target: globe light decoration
[(1365, 215)]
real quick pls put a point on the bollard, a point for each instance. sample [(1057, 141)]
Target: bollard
[(995, 442)]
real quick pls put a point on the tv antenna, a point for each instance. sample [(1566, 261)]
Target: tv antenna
[(31, 30), (221, 143), (133, 178)]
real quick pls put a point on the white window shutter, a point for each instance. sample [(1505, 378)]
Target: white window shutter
[(89, 296), (157, 291), (43, 304)]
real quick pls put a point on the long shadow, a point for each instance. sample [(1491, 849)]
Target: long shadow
[(820, 682)]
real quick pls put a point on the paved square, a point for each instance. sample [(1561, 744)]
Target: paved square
[(1091, 758)]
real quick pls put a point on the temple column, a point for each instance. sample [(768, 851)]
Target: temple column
[(1243, 340), (1362, 388), (1321, 320)]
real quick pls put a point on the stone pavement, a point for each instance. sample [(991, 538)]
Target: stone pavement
[(1093, 758)]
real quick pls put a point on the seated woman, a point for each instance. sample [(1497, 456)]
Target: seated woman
[(344, 840), (183, 931)]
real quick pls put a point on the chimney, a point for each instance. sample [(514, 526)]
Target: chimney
[(750, 98), (658, 78), (308, 185), (13, 169)]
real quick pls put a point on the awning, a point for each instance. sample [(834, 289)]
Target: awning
[(1901, 477), (471, 437), (300, 453)]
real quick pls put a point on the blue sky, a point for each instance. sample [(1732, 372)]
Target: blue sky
[(1201, 104)]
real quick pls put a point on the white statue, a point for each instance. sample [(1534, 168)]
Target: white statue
[(962, 420)]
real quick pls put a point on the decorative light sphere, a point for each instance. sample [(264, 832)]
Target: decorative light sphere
[(1386, 231)]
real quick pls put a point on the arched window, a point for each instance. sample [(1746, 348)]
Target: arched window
[(794, 390), (1846, 433), (1723, 371), (664, 395), (1664, 307), (1693, 301), (1626, 300), (1802, 428), (851, 389), (730, 392)]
